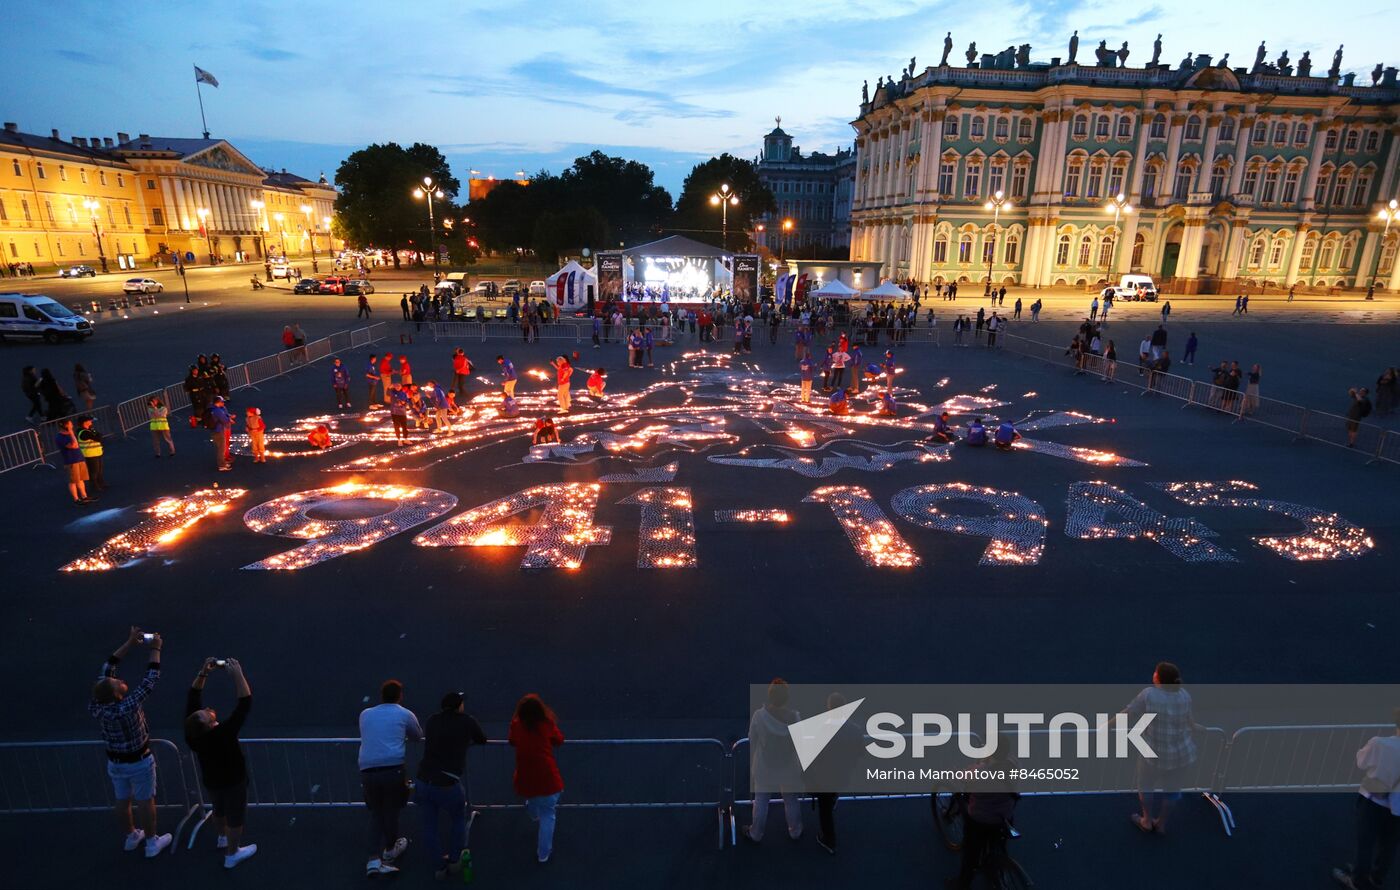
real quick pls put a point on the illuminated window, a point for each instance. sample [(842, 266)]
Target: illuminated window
[(1105, 251), (1062, 251), (1086, 245), (965, 249), (1011, 252)]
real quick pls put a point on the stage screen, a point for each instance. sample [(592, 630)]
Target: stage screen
[(746, 278)]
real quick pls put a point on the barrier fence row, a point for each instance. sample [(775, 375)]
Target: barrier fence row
[(1376, 442), (579, 331), (19, 449), (689, 773)]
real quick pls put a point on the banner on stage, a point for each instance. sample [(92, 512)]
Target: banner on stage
[(745, 278), (609, 272)]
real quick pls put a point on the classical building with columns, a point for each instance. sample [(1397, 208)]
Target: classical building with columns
[(811, 195), (1253, 175), (133, 202)]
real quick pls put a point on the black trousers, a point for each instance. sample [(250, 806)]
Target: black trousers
[(386, 793), (1377, 834), (977, 837), (826, 817)]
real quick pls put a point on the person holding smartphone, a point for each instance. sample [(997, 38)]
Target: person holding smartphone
[(130, 764), (221, 764)]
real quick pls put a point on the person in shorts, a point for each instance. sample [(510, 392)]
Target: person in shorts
[(130, 764), (74, 462), (221, 764)]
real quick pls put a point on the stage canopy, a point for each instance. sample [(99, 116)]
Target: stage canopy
[(675, 246), (681, 268), (836, 289), (887, 291)]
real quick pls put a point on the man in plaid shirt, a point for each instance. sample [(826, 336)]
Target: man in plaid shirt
[(130, 764)]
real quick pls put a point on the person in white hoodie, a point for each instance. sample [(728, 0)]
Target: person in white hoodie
[(773, 762), (1377, 812)]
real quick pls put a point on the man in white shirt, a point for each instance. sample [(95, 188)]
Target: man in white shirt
[(1377, 813), (384, 729)]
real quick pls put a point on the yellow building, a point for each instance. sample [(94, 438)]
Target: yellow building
[(68, 203), (145, 201)]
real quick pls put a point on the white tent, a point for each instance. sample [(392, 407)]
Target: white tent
[(835, 289), (888, 290), (568, 287)]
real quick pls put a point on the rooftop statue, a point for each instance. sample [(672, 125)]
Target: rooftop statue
[(947, 48), (1073, 47)]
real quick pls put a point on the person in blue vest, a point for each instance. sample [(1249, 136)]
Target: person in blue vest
[(221, 425), (942, 432), (597, 331), (372, 378), (634, 349), (839, 405), (647, 342), (1005, 436), (976, 433), (510, 407), (807, 368), (441, 409), (888, 406), (857, 367), (507, 376), (888, 366), (826, 369), (340, 382), (801, 342)]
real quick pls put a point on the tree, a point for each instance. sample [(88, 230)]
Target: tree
[(697, 218), (376, 204), (623, 191), (559, 230)]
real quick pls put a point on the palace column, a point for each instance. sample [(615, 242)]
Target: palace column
[(1208, 154), (1295, 257), (1243, 134), (1315, 161), (1124, 261), (1140, 156), (1173, 155)]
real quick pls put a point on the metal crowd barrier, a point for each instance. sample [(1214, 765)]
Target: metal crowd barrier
[(1314, 758), (71, 777), (104, 418), (21, 449)]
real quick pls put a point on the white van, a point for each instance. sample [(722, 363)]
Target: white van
[(35, 315), (1136, 287)]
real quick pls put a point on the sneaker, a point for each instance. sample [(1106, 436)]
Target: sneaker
[(221, 842), (156, 845), (134, 839), (399, 846), (1343, 877), (545, 858), (237, 856), (376, 867)]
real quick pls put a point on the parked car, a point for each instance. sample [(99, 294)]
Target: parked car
[(307, 286), (358, 286), (35, 315), (142, 286), (77, 272), (281, 271), (511, 286), (332, 285), (538, 289), (1136, 287)]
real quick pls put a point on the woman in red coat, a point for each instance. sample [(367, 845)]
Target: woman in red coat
[(534, 735)]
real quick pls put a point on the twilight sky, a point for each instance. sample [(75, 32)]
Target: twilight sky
[(509, 85)]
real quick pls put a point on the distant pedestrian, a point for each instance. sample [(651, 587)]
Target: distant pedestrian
[(29, 385), (384, 730), (1239, 305), (1251, 391), (159, 423), (1358, 410), (403, 307), (220, 425), (256, 427), (1016, 313), (461, 371), (397, 400), (1035, 310), (534, 733), (508, 376), (773, 762), (1291, 289), (340, 382), (806, 369), (364, 310), (1166, 310), (82, 385), (441, 787), (371, 379), (90, 444), (56, 401), (1094, 309), (1110, 363), (1170, 734), (597, 332), (221, 765), (73, 462), (1377, 812), (130, 764), (1244, 305), (1189, 356), (1387, 385)]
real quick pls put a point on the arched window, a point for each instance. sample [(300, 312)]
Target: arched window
[(1305, 260), (1116, 174), (950, 125), (1086, 246), (1276, 253), (1348, 253), (1011, 252), (1003, 130), (1182, 186), (1227, 130), (1062, 251), (1218, 176), (1125, 126), (1139, 245), (1353, 141), (988, 249), (1159, 127), (1105, 250), (1094, 183), (1329, 251), (1256, 252), (1025, 130), (1261, 131), (1101, 127), (940, 249), (1073, 173), (39, 171), (1280, 133), (1193, 128), (1150, 177), (978, 128), (1300, 135), (965, 248), (1081, 126), (972, 179), (1387, 257)]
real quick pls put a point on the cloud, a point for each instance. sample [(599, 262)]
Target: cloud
[(1147, 15), (81, 57), (269, 53)]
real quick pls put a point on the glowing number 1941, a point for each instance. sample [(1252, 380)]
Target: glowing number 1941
[(559, 539)]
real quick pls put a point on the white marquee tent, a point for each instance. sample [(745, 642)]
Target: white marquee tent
[(888, 290), (835, 289), (568, 287)]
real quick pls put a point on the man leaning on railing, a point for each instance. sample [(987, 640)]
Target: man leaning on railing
[(130, 764), (1377, 813)]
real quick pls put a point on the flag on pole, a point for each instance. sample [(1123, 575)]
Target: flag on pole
[(202, 76)]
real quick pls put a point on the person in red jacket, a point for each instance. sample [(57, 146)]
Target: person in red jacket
[(564, 370), (405, 371), (534, 734)]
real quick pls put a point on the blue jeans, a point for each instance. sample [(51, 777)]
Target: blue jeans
[(541, 809), (432, 802), (133, 780)]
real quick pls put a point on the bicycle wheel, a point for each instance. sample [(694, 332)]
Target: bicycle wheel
[(947, 818), (1008, 874)]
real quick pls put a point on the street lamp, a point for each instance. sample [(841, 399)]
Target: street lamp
[(782, 248), (261, 208), (430, 191), (92, 205), (1390, 213), (996, 205), (1118, 207), (311, 232), (203, 214), (724, 198)]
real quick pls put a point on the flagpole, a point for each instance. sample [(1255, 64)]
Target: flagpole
[(200, 94)]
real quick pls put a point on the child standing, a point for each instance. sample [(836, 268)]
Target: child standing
[(257, 435)]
